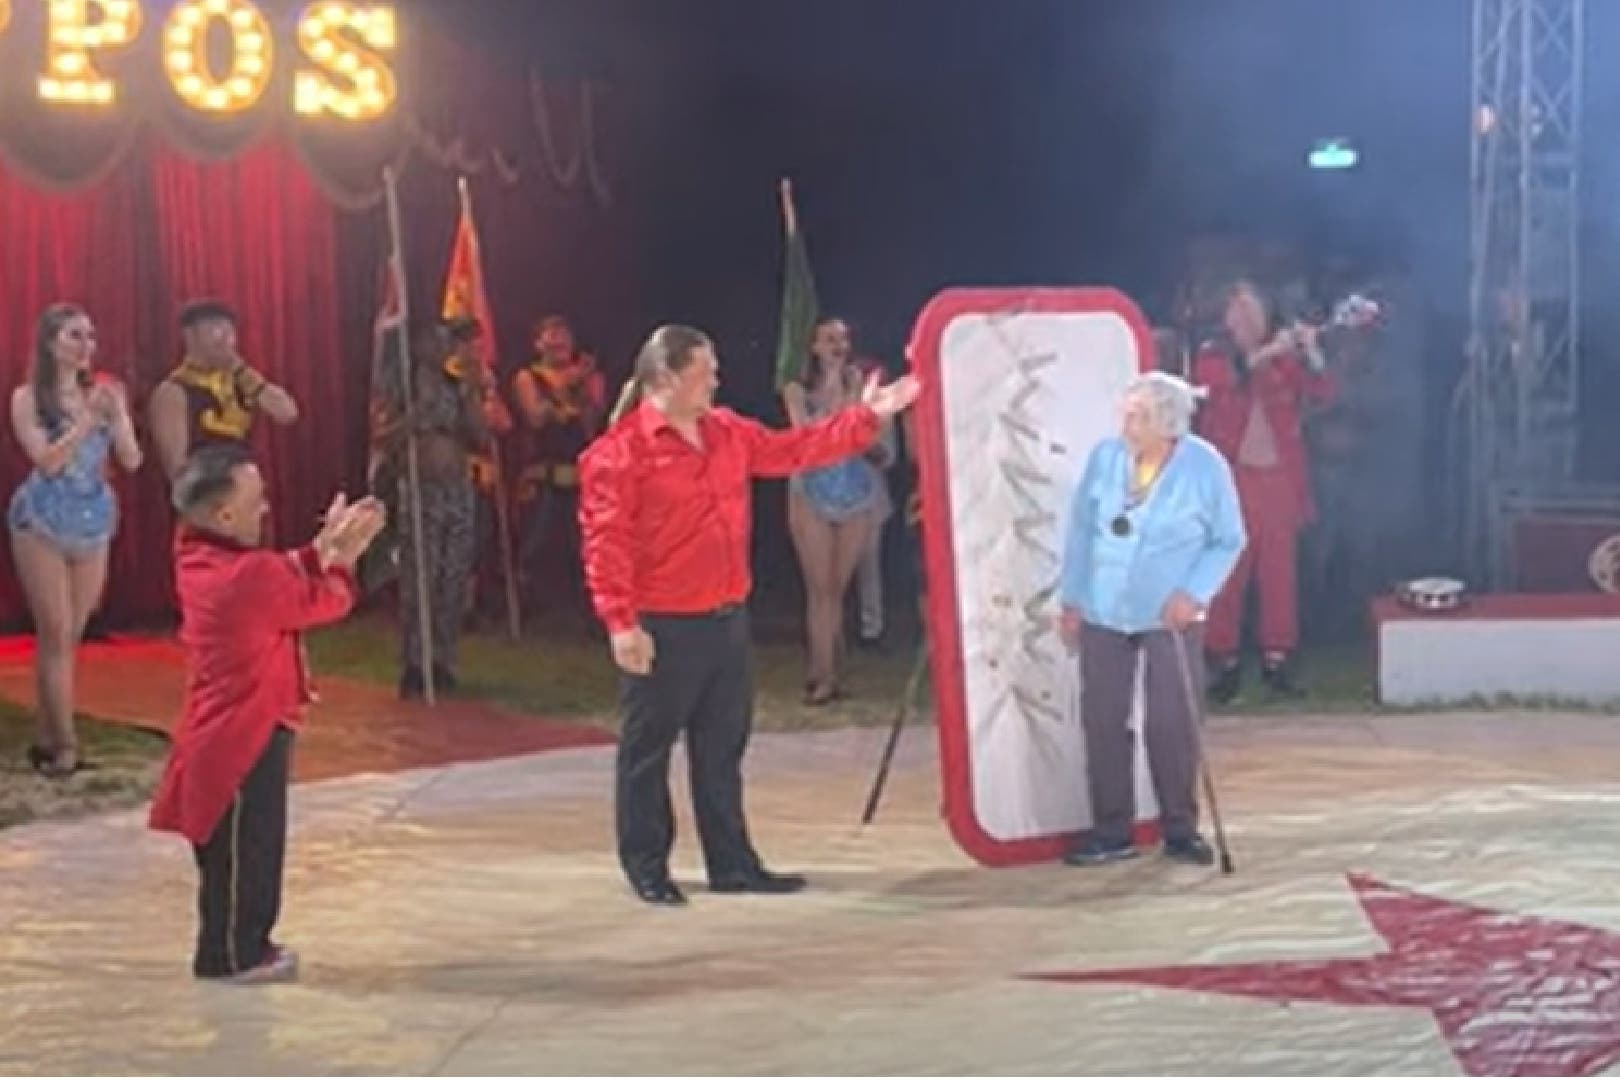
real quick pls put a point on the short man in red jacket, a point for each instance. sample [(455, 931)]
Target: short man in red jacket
[(242, 610), (1260, 382), (665, 515)]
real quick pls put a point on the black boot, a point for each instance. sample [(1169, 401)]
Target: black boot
[(1228, 680), (411, 684), (1278, 675)]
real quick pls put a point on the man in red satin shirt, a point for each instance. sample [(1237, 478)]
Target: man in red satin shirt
[(242, 610), (665, 516)]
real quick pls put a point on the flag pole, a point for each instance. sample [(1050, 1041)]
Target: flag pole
[(790, 213), (413, 471), (514, 615)]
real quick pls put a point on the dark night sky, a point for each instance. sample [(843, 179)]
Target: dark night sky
[(945, 142)]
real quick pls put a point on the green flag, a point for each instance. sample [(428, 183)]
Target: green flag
[(800, 309)]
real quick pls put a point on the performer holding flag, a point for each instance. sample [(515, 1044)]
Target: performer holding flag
[(466, 311), (433, 409), (447, 424)]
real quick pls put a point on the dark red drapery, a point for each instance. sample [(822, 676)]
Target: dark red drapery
[(134, 211), (162, 228)]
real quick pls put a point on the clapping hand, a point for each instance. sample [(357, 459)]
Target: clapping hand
[(109, 401), (893, 399), (349, 530)]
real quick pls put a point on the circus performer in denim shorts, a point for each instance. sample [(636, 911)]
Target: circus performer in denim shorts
[(64, 514), (833, 512)]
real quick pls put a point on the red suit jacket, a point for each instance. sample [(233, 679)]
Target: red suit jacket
[(1285, 386), (242, 612)]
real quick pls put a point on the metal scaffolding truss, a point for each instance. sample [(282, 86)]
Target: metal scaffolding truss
[(1514, 420)]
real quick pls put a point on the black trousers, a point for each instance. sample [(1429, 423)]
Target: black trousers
[(239, 894), (702, 684), (549, 555)]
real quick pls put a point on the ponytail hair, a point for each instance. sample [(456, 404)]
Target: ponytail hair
[(629, 398), (667, 352)]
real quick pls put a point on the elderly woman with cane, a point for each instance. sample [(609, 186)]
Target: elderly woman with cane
[(1153, 532)]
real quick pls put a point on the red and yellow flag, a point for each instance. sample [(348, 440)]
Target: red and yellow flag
[(464, 295)]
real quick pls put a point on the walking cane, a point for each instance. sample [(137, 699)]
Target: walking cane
[(1195, 715), (901, 715)]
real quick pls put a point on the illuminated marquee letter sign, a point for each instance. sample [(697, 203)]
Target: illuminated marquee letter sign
[(80, 28), (344, 40), (345, 72), (187, 61)]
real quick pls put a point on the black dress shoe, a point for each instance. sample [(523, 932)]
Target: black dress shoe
[(1096, 852), (1193, 850), (760, 881), (662, 891), (444, 680)]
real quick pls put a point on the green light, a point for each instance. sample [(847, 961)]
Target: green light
[(1334, 154)]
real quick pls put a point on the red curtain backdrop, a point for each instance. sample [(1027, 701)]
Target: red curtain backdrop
[(137, 209), (255, 232), (162, 228)]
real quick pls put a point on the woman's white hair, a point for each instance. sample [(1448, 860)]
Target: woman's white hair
[(1171, 401)]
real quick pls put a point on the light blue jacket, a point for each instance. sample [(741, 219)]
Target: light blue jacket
[(1187, 535)]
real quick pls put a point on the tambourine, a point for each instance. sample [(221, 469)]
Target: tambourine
[(1433, 594), (1604, 565)]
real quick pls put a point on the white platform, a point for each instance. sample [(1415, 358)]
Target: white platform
[(1525, 647)]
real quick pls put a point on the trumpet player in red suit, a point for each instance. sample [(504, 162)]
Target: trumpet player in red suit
[(243, 609), (1260, 381)]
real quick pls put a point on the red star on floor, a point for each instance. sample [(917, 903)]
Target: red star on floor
[(1514, 995)]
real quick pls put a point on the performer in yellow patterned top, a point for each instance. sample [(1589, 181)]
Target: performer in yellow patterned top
[(213, 396), (561, 399)]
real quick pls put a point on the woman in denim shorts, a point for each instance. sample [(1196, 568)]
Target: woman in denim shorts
[(63, 516)]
